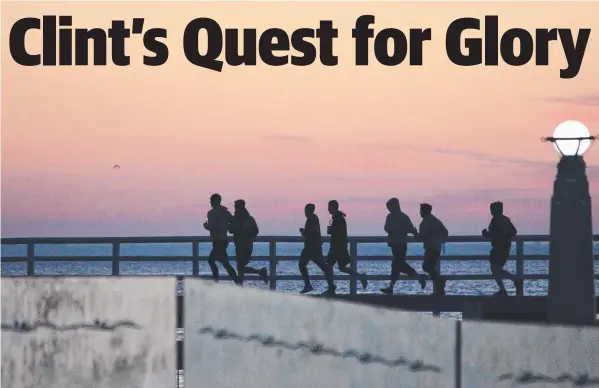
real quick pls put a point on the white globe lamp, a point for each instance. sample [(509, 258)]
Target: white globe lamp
[(571, 138)]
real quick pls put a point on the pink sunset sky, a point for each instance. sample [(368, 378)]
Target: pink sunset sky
[(458, 138)]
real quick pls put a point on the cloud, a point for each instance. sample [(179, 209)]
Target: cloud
[(488, 158), (464, 211), (459, 197), (495, 160), (492, 194), (280, 137), (582, 100), (370, 199), (370, 177)]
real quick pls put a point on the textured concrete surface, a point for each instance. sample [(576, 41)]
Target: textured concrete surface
[(88, 332), (497, 355), (241, 337)]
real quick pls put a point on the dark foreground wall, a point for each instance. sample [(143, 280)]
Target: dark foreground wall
[(120, 332)]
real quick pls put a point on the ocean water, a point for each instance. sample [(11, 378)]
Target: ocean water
[(163, 266)]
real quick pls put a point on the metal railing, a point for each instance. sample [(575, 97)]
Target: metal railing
[(116, 258)]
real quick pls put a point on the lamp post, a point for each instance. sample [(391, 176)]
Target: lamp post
[(571, 295)]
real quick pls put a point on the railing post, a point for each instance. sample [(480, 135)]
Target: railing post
[(438, 268), (30, 259), (272, 254), (520, 261), (437, 310), (353, 255), (116, 252), (195, 253)]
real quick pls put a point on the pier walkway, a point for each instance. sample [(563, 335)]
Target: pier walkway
[(469, 305), (349, 337)]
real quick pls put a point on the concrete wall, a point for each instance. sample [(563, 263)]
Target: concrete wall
[(249, 338), (535, 356), (50, 339)]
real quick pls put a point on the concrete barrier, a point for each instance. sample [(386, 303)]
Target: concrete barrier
[(88, 332), (497, 355), (101, 332), (242, 337)]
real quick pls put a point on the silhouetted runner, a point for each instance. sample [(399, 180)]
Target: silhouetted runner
[(338, 251), (500, 232), (397, 226), (433, 234), (244, 230), (313, 251), (219, 220)]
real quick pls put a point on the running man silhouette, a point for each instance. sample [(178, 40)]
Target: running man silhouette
[(338, 251), (433, 234), (313, 251), (397, 226), (219, 220), (244, 230), (500, 232)]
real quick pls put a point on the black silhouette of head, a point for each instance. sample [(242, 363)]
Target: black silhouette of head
[(239, 204), (215, 200), (393, 204), (309, 209), (425, 209), (333, 206), (496, 208)]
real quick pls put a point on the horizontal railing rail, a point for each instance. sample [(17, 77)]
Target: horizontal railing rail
[(259, 239), (273, 258)]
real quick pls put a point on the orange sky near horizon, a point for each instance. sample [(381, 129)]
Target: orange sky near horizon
[(279, 137)]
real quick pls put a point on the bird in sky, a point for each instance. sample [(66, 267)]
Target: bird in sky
[(116, 166)]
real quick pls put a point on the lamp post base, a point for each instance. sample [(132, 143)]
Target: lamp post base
[(571, 294)]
